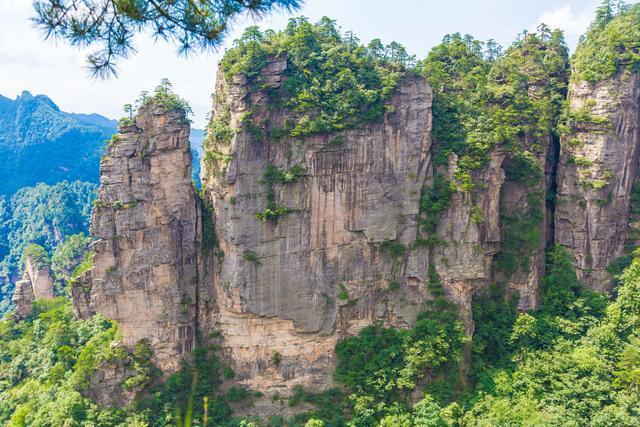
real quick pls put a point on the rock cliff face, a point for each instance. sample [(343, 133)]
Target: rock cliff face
[(306, 241), (145, 220), (596, 174), (338, 258)]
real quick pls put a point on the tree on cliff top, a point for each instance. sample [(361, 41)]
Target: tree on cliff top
[(111, 24), (611, 44)]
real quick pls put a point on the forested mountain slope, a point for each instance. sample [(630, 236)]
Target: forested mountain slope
[(41, 143), (45, 215)]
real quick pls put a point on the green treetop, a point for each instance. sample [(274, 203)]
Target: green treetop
[(610, 45), (333, 82)]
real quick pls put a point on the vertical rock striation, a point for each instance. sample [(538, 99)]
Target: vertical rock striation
[(338, 257), (145, 219), (469, 236), (597, 170)]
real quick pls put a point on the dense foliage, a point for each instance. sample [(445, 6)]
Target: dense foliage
[(46, 360), (332, 81), (610, 45), (68, 260), (571, 360), (41, 215), (382, 367), (484, 98)]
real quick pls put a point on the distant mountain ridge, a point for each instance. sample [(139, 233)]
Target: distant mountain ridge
[(41, 143)]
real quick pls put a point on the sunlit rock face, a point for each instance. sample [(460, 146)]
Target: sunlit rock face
[(145, 225)]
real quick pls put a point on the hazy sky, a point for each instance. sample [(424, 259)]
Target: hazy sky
[(28, 62)]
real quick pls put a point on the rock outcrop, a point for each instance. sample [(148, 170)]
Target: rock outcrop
[(598, 168), (23, 298), (145, 219), (40, 277), (36, 283)]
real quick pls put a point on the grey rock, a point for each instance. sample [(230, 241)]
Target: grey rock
[(598, 167)]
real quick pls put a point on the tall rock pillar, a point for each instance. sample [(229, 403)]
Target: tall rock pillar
[(145, 219)]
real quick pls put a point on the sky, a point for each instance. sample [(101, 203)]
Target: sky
[(50, 67)]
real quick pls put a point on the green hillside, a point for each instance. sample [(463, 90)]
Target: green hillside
[(41, 143)]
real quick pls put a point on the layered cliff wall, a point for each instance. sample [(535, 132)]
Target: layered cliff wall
[(320, 236), (146, 230), (597, 170)]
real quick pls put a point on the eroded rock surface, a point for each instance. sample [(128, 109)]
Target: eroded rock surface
[(145, 219), (597, 170), (339, 259)]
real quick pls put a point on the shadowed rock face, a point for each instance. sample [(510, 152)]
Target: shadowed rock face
[(145, 220), (597, 170), (464, 260)]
